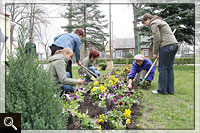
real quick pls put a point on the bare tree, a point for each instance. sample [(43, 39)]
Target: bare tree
[(16, 14), (34, 17), (136, 7), (44, 40)]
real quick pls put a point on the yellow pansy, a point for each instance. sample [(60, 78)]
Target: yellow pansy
[(128, 121), (93, 89), (127, 112), (116, 80), (100, 127), (101, 116), (101, 121), (95, 83)]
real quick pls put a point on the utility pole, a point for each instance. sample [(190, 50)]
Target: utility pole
[(110, 63), (110, 30)]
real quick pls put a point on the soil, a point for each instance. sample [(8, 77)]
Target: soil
[(93, 112)]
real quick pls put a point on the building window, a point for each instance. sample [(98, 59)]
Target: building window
[(119, 54), (146, 52), (132, 51)]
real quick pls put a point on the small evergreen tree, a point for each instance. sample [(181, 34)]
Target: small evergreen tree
[(29, 91)]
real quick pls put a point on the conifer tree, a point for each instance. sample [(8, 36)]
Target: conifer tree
[(88, 17), (30, 90), (179, 16)]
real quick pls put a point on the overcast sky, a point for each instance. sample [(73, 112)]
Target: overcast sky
[(122, 18)]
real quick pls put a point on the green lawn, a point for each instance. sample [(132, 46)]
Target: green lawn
[(170, 111), (167, 111)]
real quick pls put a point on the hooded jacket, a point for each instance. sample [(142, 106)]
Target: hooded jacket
[(58, 65), (162, 34)]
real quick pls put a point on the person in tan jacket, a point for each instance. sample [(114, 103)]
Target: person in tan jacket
[(58, 65), (165, 46)]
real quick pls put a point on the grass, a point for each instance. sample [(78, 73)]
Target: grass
[(170, 111), (167, 111)]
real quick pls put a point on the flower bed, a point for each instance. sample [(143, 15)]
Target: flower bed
[(105, 104)]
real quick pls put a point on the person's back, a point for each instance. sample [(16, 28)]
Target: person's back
[(67, 40), (30, 47)]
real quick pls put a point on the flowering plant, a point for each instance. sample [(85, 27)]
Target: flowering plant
[(71, 103), (98, 93), (111, 118)]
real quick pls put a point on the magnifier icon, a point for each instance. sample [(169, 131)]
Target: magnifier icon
[(8, 121)]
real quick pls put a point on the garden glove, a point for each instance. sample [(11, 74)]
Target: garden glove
[(93, 78)]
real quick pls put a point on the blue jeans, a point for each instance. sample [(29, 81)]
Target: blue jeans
[(68, 87), (165, 68), (93, 69)]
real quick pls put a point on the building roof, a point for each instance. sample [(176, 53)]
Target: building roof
[(124, 43)]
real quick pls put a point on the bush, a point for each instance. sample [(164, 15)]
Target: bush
[(184, 60), (103, 60), (129, 55), (103, 66), (29, 91)]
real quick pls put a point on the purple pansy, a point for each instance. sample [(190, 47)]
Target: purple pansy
[(101, 96)]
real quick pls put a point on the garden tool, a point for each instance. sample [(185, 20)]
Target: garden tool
[(141, 82), (90, 71)]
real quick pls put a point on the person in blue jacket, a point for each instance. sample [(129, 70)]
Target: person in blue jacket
[(69, 40), (140, 67)]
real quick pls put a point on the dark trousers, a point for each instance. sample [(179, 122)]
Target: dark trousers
[(165, 68), (54, 48)]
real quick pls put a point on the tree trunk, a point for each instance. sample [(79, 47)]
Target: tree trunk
[(85, 42), (135, 30)]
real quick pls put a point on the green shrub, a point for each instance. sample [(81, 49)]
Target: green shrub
[(29, 91), (184, 60), (103, 60), (129, 55), (103, 65)]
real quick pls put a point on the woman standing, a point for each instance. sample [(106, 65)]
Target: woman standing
[(165, 47)]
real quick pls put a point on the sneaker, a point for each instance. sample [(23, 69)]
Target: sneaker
[(154, 91)]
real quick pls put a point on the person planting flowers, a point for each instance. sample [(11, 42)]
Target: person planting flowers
[(140, 67), (89, 62), (57, 64)]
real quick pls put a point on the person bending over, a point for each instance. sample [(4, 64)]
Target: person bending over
[(140, 67)]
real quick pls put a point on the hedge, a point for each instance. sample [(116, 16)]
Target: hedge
[(177, 61)]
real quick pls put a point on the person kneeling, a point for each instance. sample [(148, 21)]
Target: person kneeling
[(140, 67), (89, 62), (57, 64)]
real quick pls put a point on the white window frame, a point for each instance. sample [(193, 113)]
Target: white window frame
[(118, 53), (146, 52), (132, 51)]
